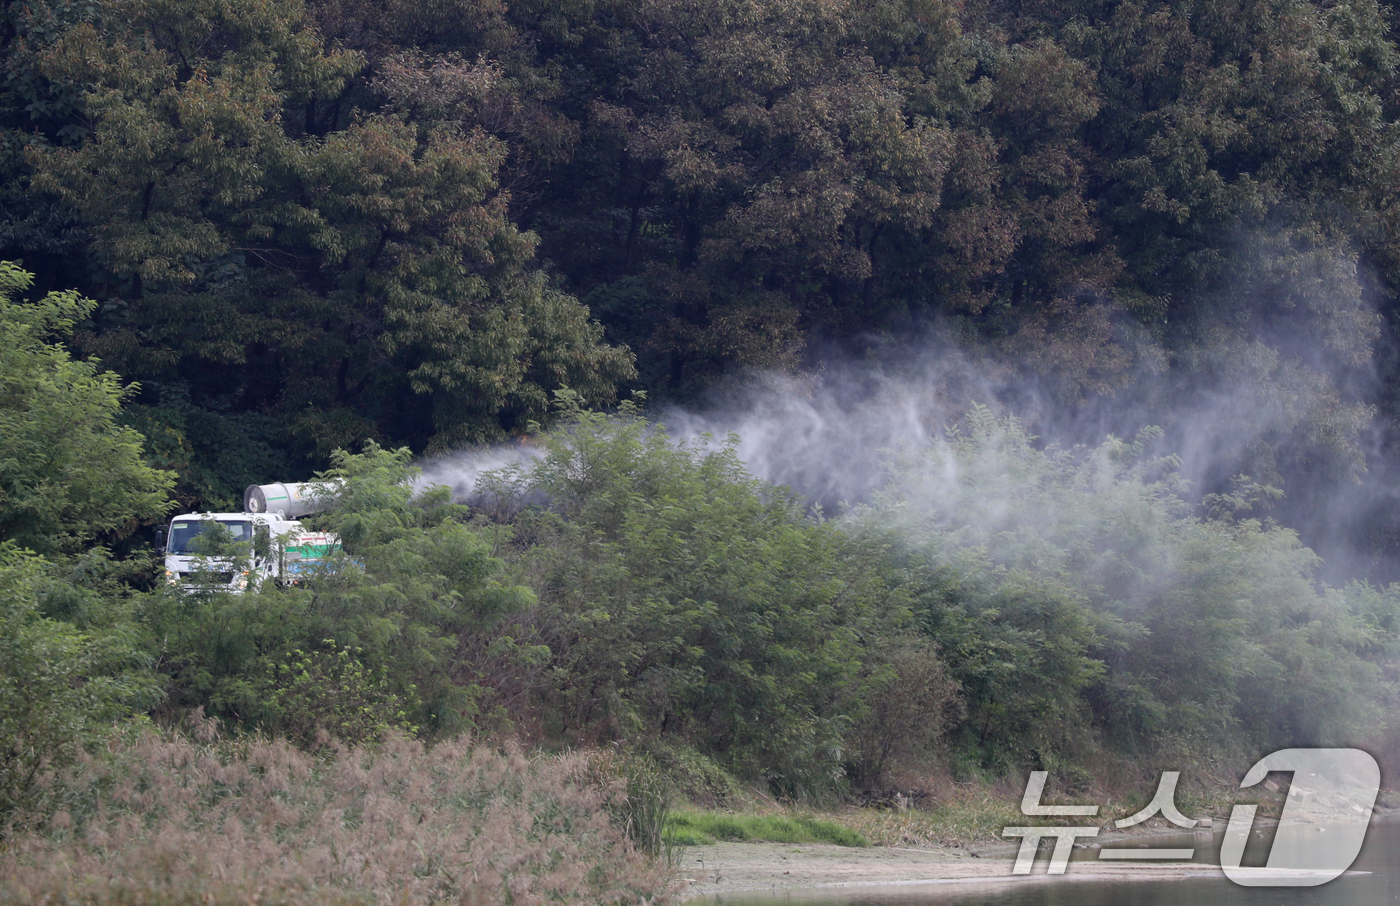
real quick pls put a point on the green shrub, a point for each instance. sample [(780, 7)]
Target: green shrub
[(644, 806), (694, 776), (1078, 597), (60, 686), (682, 598), (329, 693), (374, 641), (910, 701)]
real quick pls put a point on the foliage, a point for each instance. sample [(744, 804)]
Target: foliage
[(324, 695), (215, 453), (371, 641), (640, 802), (69, 474), (60, 686), (273, 250), (911, 701), (418, 582), (316, 224), (1022, 650), (1068, 587), (694, 777), (308, 224), (682, 596), (69, 471), (36, 111)]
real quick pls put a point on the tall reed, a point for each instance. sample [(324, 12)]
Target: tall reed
[(162, 819)]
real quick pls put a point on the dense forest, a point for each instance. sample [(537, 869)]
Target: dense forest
[(312, 224), (258, 240)]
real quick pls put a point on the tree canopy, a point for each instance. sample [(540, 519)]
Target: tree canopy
[(311, 224), (69, 470), (269, 235)]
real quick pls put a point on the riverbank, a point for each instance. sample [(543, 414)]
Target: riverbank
[(725, 868), (957, 844), (959, 841)]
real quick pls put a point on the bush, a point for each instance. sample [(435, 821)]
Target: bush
[(69, 471), (1077, 593), (639, 801), (329, 694), (694, 776), (910, 701), (680, 597), (60, 687), (375, 640)]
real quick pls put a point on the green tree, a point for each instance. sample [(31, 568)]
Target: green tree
[(750, 164), (1242, 154), (69, 471), (35, 111), (1081, 581), (277, 247), (682, 597), (60, 686)]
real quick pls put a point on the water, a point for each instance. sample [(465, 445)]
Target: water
[(1379, 885)]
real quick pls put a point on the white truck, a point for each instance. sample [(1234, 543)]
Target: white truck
[(272, 544)]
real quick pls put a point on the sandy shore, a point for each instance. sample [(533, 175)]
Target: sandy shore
[(733, 867), (725, 868)]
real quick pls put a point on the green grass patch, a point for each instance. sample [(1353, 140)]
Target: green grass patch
[(703, 828)]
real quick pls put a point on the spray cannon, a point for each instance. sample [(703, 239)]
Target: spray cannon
[(291, 501)]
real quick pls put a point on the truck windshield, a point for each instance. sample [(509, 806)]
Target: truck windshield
[(183, 533)]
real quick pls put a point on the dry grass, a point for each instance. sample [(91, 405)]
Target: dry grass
[(972, 815), (162, 819), (970, 820)]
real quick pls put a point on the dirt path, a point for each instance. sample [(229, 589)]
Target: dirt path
[(731, 867)]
